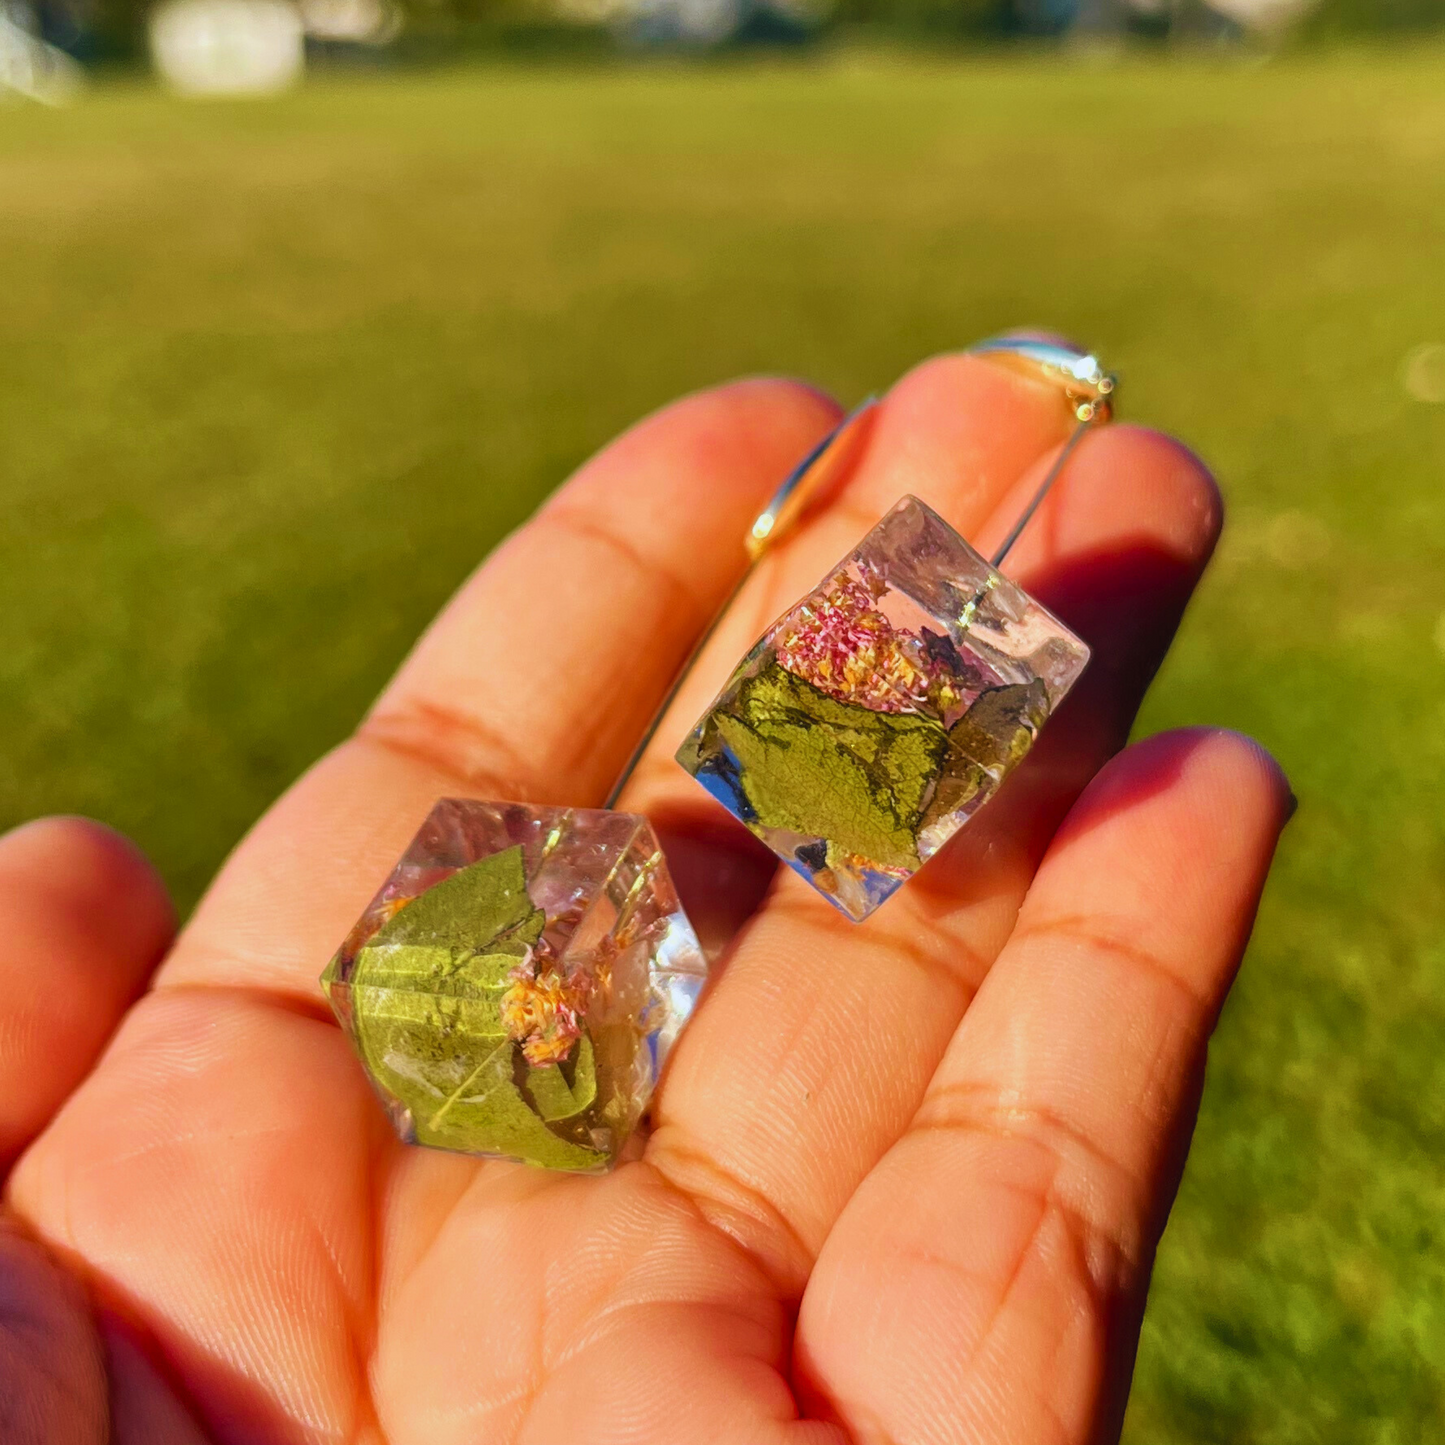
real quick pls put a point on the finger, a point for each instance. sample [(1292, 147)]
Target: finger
[(997, 1258), (84, 918), (584, 616), (533, 685), (144, 1410), (52, 1375), (812, 1052), (218, 1183)]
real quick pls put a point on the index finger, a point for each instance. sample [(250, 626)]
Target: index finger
[(531, 686)]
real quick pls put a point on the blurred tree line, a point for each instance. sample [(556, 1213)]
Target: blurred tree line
[(100, 30), (1161, 19), (1372, 17)]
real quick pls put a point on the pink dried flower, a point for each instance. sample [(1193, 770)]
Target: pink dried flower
[(543, 1009), (843, 644)]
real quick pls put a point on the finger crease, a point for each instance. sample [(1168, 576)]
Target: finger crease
[(580, 524), (950, 962), (1077, 929), (1100, 1284), (977, 1108), (304, 1002), (736, 1209), (452, 743)]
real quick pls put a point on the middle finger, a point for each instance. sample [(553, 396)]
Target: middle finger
[(814, 1047)]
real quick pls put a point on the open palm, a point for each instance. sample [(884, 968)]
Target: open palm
[(904, 1181)]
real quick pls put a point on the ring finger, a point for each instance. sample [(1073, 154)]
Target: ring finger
[(817, 1042)]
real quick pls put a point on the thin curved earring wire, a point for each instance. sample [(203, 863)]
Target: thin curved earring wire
[(803, 486), (1086, 387)]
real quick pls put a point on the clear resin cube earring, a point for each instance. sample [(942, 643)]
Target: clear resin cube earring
[(880, 713), (516, 984)]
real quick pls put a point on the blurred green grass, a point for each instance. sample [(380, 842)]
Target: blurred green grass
[(274, 376)]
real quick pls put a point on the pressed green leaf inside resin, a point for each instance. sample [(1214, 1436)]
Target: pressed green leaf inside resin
[(425, 995), (985, 744), (836, 770), (868, 782), (1001, 725), (550, 1092)]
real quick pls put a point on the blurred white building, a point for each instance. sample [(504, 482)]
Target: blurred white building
[(257, 47), (1262, 15), (228, 47), (30, 68)]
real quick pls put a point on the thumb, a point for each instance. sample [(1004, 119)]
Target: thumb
[(84, 919)]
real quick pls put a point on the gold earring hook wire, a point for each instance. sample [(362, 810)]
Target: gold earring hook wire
[(1085, 385), (802, 488)]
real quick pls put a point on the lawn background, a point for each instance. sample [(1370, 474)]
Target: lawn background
[(274, 376)]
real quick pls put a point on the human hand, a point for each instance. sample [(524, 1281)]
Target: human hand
[(905, 1179)]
